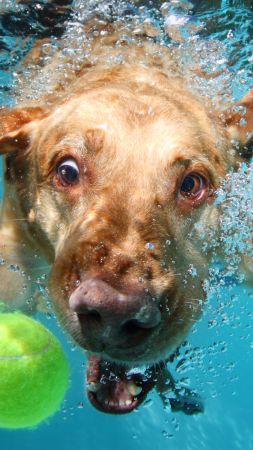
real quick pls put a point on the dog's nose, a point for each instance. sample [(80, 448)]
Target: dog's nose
[(98, 303)]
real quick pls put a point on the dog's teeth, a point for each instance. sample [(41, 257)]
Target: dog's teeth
[(138, 390), (134, 389), (125, 402), (112, 403), (92, 386)]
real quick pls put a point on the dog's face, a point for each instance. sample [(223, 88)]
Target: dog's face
[(115, 184)]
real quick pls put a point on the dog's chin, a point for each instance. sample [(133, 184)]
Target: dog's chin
[(116, 382), (118, 378), (113, 386)]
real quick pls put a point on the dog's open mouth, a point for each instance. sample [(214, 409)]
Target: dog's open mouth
[(113, 389)]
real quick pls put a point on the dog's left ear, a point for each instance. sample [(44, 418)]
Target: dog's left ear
[(239, 124), (16, 125)]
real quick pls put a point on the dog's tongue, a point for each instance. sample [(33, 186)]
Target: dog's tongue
[(113, 390)]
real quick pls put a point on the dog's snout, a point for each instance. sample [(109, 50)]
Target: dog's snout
[(95, 301)]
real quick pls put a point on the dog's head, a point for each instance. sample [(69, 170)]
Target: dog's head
[(114, 184)]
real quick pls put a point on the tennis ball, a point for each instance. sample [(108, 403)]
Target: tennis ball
[(34, 372)]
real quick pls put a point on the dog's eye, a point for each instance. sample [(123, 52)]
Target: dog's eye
[(193, 186), (68, 172)]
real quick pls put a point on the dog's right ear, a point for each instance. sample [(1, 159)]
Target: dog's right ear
[(15, 127)]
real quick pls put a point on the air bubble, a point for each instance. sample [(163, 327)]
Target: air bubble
[(13, 268), (192, 271), (149, 246), (230, 34), (167, 435)]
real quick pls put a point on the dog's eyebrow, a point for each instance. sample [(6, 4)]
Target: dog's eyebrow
[(73, 140), (76, 142), (186, 162), (182, 162)]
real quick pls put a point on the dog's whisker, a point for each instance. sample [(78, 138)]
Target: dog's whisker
[(29, 269), (39, 268), (13, 220)]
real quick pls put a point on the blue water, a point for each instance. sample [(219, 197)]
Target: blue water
[(218, 358)]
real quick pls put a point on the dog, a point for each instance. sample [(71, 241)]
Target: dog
[(107, 174)]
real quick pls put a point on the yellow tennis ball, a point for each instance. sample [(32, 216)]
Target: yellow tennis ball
[(34, 372)]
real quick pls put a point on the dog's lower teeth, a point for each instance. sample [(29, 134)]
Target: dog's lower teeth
[(133, 389), (111, 403)]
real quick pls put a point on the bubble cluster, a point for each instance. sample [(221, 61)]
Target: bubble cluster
[(175, 25), (231, 244)]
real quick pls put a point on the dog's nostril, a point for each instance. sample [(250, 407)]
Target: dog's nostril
[(134, 326), (131, 326), (91, 315)]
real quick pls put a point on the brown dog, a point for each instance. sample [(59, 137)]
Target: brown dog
[(107, 174)]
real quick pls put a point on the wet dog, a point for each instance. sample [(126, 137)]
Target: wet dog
[(107, 175)]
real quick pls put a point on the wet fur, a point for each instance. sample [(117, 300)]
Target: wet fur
[(135, 129)]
